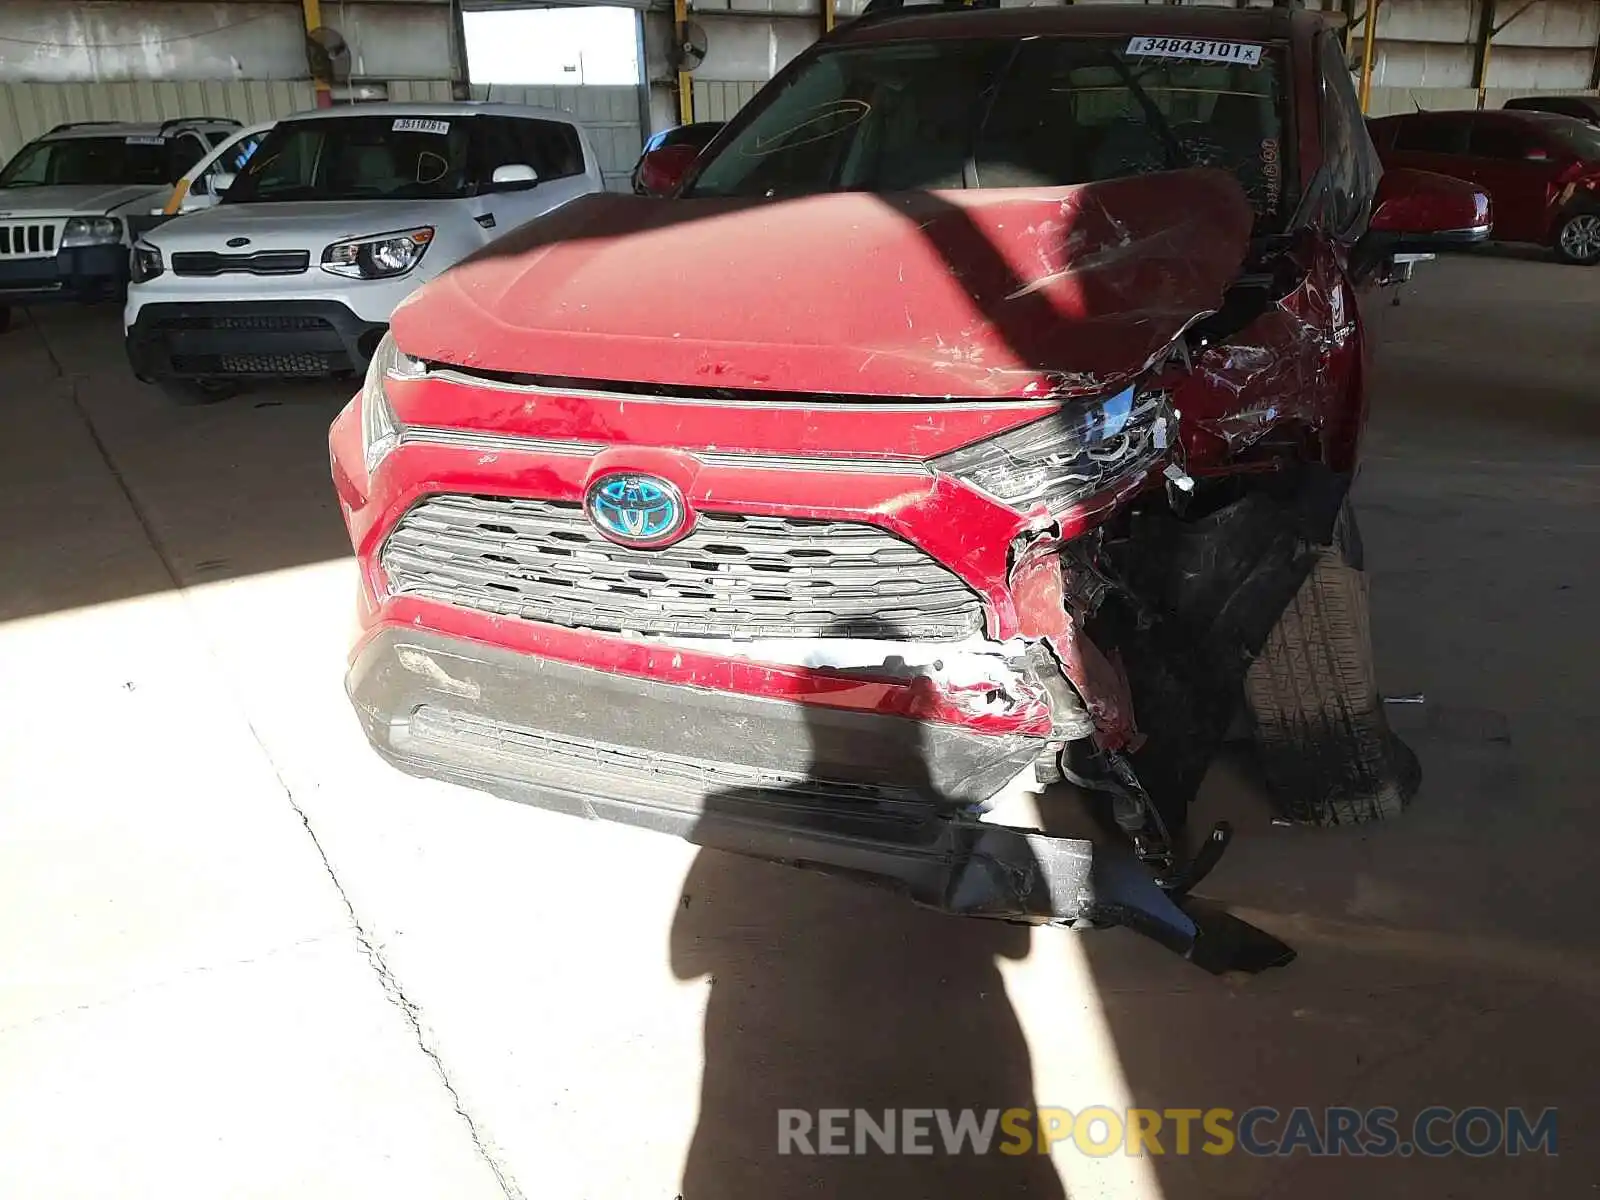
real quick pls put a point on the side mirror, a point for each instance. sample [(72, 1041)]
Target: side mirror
[(513, 176), (662, 170), (222, 181), (1420, 211)]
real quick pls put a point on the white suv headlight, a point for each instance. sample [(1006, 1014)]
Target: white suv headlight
[(384, 256), (1082, 448), (380, 430), (91, 231)]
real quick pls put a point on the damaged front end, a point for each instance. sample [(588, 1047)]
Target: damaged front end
[(1046, 537)]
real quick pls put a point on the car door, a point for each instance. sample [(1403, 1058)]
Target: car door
[(505, 141), (1511, 161)]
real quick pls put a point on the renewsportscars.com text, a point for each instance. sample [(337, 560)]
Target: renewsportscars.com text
[(1099, 1131)]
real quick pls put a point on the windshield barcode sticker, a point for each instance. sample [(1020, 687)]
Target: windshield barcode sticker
[(144, 140), (418, 125), (1246, 54)]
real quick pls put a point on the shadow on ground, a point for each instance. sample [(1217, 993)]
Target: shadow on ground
[(100, 466)]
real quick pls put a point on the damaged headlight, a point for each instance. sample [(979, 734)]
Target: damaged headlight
[(1075, 452), (380, 430)]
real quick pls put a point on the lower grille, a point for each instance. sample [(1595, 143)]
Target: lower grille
[(27, 241), (299, 363), (254, 321), (734, 576), (626, 770)]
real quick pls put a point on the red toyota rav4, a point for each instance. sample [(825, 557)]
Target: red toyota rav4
[(982, 402)]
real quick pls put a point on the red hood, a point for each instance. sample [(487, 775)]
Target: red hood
[(970, 293)]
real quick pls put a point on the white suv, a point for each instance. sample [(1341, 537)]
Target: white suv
[(337, 216), (67, 200)]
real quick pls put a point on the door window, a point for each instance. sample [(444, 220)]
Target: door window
[(1347, 150), (1431, 135), (1494, 139), (551, 148)]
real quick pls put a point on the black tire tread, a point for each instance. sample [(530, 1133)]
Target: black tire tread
[(1323, 738)]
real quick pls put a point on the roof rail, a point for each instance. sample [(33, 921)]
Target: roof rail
[(171, 121), (78, 125), (876, 10)]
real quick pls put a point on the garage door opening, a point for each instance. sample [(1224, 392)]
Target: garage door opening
[(554, 47)]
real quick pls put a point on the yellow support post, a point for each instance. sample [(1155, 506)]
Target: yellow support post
[(680, 24), (1369, 38), (828, 15), (312, 9)]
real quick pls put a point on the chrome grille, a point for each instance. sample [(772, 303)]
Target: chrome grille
[(734, 576), (32, 240)]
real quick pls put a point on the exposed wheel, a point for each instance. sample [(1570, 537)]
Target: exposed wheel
[(1320, 728), (1578, 239), (190, 392)]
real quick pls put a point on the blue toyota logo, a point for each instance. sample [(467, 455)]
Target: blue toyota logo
[(636, 510)]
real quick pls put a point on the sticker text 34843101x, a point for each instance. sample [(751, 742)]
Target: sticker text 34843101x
[(1246, 54)]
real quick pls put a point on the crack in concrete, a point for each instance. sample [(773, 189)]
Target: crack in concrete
[(410, 1011), (392, 990)]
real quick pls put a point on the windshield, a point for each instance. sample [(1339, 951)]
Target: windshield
[(357, 158), (1044, 112), (96, 161)]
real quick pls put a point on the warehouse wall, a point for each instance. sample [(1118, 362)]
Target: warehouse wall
[(111, 40), (1432, 44)]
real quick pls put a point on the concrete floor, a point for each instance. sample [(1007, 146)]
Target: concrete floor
[(241, 957)]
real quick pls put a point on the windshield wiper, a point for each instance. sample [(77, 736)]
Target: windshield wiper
[(1177, 156)]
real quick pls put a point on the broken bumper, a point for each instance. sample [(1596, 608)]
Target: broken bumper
[(870, 795)]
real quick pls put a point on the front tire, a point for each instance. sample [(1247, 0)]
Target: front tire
[(1320, 727), (192, 392), (1578, 238)]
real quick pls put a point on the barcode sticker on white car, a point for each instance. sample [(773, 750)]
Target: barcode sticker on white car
[(144, 140), (1246, 54), (418, 125)]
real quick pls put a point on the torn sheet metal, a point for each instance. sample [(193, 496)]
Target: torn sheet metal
[(1288, 368), (1043, 613)]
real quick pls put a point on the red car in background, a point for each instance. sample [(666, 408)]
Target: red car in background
[(983, 400), (1541, 170)]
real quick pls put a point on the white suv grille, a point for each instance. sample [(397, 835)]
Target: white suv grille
[(31, 239)]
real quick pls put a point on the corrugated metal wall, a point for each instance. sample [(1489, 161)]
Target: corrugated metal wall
[(56, 41), (718, 100), (1549, 46), (610, 115)]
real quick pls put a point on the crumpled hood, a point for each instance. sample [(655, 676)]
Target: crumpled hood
[(974, 293), (66, 200), (297, 225)]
